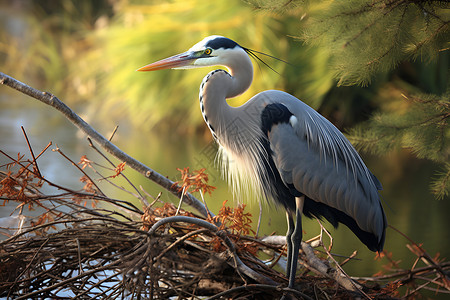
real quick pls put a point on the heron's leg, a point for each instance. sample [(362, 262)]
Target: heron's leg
[(296, 240), (291, 227)]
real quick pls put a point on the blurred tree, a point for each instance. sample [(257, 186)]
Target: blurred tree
[(367, 37), (142, 33), (39, 40), (380, 41), (421, 125), (90, 52)]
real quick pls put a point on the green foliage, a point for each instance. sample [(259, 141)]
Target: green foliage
[(91, 51), (43, 39), (418, 123), (140, 34), (24, 56), (280, 6), (380, 41), (368, 37), (88, 52)]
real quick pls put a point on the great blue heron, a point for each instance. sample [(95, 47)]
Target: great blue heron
[(283, 149)]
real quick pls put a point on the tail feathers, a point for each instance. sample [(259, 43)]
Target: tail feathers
[(372, 241)]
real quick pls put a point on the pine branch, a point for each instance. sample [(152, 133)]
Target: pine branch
[(423, 128), (441, 184), (369, 37)]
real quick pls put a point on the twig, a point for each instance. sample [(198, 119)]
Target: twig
[(209, 217), (316, 265), (145, 202), (344, 280), (353, 255), (54, 102), (113, 133), (96, 285), (25, 168), (221, 234), (31, 261), (63, 282), (426, 256), (79, 256), (400, 273), (181, 200), (181, 239), (31, 151), (259, 218), (329, 272), (258, 287), (57, 149)]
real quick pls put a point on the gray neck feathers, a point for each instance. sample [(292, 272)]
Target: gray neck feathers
[(220, 85)]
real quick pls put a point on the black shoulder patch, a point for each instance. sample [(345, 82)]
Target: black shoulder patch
[(221, 42), (273, 114)]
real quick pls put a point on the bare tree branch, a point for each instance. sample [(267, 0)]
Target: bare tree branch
[(54, 102), (240, 266)]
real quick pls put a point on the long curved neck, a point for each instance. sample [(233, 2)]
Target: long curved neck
[(220, 85)]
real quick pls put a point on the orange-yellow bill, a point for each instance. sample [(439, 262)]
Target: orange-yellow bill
[(176, 61)]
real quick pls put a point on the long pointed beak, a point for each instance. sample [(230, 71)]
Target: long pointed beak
[(177, 61)]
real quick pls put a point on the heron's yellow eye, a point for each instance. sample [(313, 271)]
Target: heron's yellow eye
[(208, 51)]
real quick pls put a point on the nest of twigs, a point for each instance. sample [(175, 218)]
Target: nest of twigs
[(85, 245), (96, 255)]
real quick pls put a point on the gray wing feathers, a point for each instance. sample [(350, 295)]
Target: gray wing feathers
[(320, 162)]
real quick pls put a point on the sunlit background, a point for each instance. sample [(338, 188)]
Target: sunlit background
[(86, 53)]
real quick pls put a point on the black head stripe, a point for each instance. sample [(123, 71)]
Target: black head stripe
[(221, 42)]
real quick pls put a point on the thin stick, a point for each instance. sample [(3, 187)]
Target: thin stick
[(113, 133), (181, 239), (426, 256), (31, 151), (210, 217), (259, 218), (239, 265), (57, 149), (349, 258), (140, 197), (258, 287)]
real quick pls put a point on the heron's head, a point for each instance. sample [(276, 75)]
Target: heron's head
[(211, 51)]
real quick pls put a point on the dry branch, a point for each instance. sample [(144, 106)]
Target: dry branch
[(54, 102), (236, 261)]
